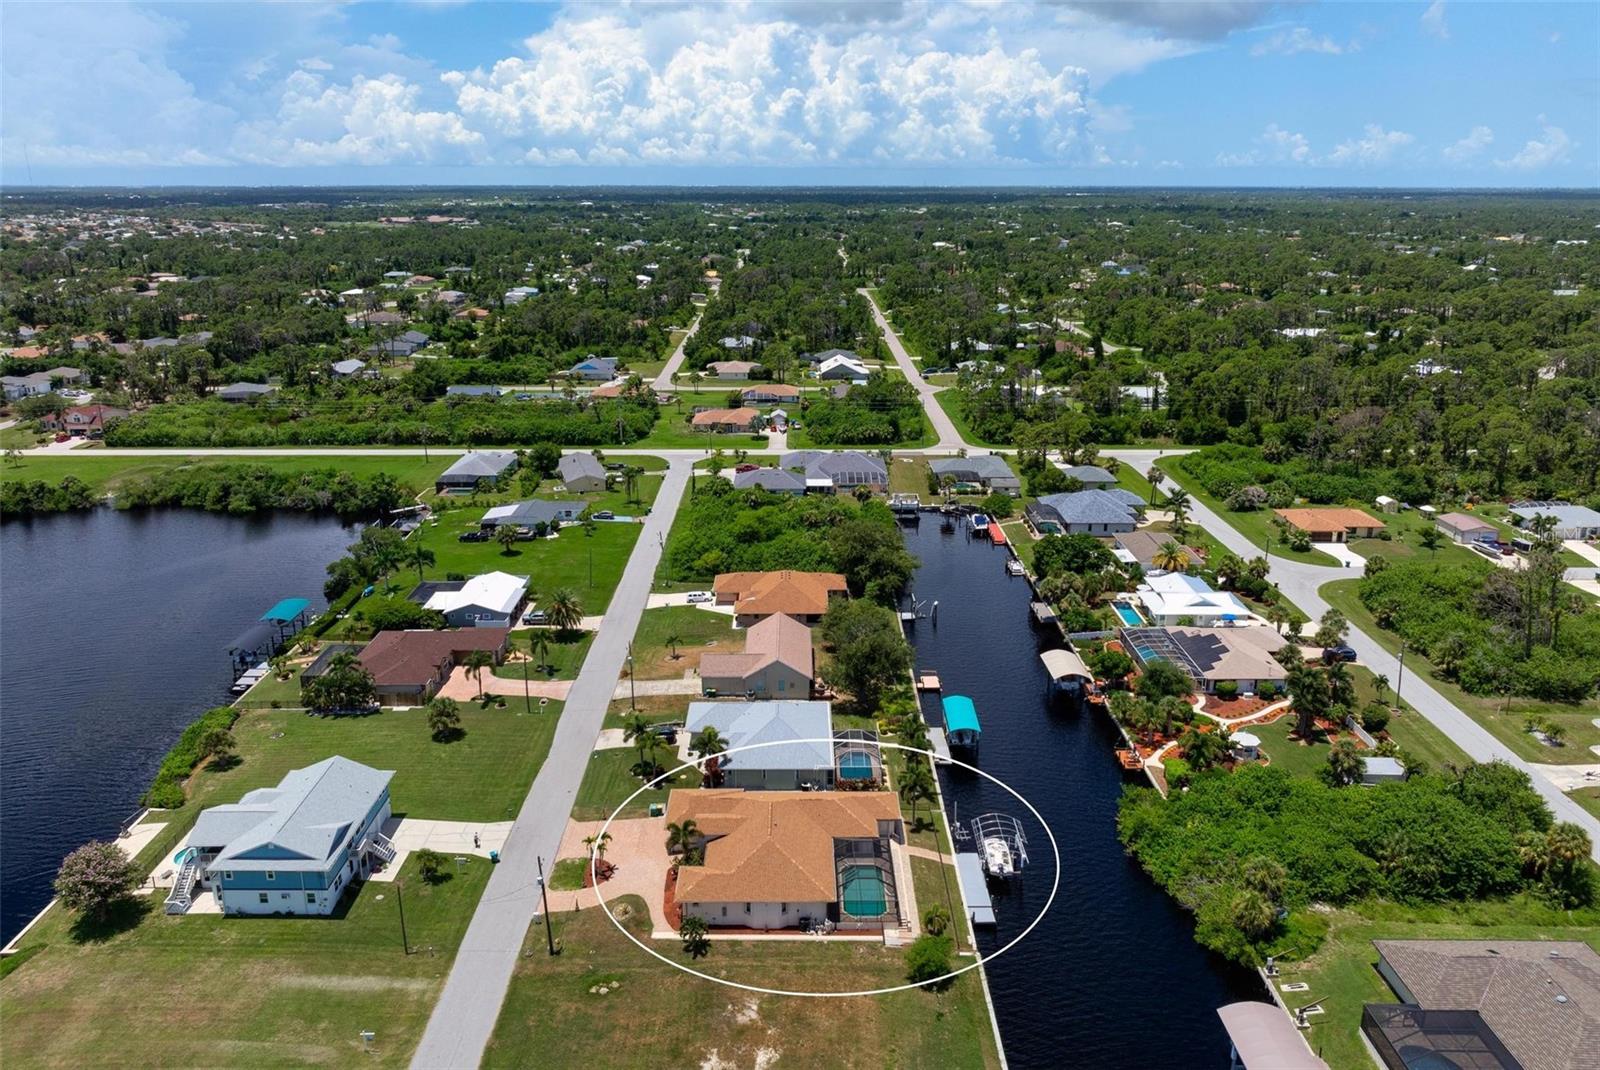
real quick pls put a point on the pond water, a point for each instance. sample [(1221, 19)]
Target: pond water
[(1112, 976), (113, 635)]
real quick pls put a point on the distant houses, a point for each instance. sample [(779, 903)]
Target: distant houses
[(1466, 529), (843, 368), (531, 514), (82, 421), (1333, 524), (409, 667), (732, 369), (770, 394), (773, 480), (727, 420), (755, 596), (839, 471), (241, 393), (594, 369), (1092, 476), (989, 471), (1087, 512), (296, 848), (777, 662), (1570, 521), (470, 468), (472, 390)]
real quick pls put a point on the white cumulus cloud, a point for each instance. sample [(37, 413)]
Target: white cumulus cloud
[(1471, 146), (1375, 146), (1274, 145), (1550, 147), (1297, 39)]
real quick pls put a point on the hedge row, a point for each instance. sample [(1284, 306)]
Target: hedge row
[(166, 791)]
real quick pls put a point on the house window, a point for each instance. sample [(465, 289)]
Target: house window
[(311, 897), (783, 908), (263, 897), (227, 874), (724, 911), (747, 908), (283, 895), (271, 876)]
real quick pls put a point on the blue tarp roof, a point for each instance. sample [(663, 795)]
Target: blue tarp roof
[(960, 714), (287, 610)]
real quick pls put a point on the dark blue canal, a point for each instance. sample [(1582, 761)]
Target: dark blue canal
[(113, 635), (1112, 976)]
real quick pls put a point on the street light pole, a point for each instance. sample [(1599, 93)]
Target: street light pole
[(1401, 675), (400, 899), (549, 935), (633, 704)]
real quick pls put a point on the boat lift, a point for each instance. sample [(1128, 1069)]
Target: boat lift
[(1001, 844)]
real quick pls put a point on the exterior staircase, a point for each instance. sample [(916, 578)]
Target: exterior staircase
[(382, 847), (179, 899)]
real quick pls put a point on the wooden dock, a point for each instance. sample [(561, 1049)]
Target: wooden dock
[(928, 680)]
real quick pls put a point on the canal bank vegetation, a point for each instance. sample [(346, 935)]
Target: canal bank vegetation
[(166, 792), (1258, 854), (553, 1010)]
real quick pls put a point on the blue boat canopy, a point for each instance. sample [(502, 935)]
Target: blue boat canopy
[(960, 715), (287, 610)]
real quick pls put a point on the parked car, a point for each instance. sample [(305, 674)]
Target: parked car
[(605, 514), (696, 597), (475, 535), (747, 468), (668, 732), (535, 616), (1339, 652), (1486, 549)]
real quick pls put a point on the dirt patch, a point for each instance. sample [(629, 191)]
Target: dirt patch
[(766, 1057), (278, 1052), (344, 983), (746, 1012)]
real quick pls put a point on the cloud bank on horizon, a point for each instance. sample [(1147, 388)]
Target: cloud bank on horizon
[(803, 90)]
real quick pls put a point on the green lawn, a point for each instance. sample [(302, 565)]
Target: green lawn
[(1588, 798), (551, 564), (561, 661), (697, 630), (658, 1017), (1256, 526), (950, 401), (1503, 718), (249, 991), (802, 440), (674, 433), (609, 781), (105, 472), (1405, 530), (280, 991), (1342, 972), (567, 874)]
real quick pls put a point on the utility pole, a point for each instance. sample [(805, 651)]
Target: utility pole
[(400, 899), (1401, 675), (632, 702), (544, 898)]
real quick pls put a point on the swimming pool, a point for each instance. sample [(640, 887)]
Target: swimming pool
[(1128, 615), (861, 891), (856, 765)]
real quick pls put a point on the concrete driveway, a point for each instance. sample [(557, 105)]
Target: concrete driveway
[(449, 838), (463, 688), (638, 848), (1342, 553)]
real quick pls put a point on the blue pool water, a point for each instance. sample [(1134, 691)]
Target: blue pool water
[(1127, 614), (855, 765)]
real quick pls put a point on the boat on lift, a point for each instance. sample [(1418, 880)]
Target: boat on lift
[(1002, 845)]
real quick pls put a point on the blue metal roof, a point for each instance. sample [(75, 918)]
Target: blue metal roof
[(960, 715), (287, 610)]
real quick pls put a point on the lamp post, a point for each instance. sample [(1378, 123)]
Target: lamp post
[(1401, 675), (400, 900), (633, 704)]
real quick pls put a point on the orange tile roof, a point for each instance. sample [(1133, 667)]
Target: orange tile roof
[(726, 417), (773, 846), (800, 594), (1335, 519), (778, 638)]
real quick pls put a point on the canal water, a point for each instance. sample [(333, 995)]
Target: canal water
[(1112, 976), (113, 635)]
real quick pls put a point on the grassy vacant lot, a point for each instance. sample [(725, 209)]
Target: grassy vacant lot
[(609, 780), (1404, 542), (1504, 718), (661, 1017), (105, 472), (950, 401), (562, 660), (249, 991), (1588, 798), (1256, 526), (563, 561), (697, 630), (801, 440), (1342, 972), (279, 991), (672, 432)]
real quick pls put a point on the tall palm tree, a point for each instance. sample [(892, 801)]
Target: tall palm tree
[(597, 845), (640, 732), (539, 647), (420, 556), (682, 838), (506, 536), (1277, 616), (916, 786), (1310, 697), (1171, 557), (672, 641), (1154, 475), (476, 662), (1206, 750), (709, 744), (565, 612), (1178, 506)]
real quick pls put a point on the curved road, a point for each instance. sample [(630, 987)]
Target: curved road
[(1302, 584), (950, 439)]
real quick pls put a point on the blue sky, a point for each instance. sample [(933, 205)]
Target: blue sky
[(978, 92)]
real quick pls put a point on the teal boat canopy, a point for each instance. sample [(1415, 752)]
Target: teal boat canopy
[(960, 715), (287, 610)]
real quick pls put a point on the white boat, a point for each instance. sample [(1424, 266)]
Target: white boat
[(997, 860), (1014, 567)]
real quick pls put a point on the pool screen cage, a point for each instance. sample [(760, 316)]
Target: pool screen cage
[(1405, 1037), (856, 755), (1150, 644), (865, 874)]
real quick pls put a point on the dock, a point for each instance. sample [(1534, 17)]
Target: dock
[(1042, 613), (928, 680), (975, 888), (940, 745), (997, 534)]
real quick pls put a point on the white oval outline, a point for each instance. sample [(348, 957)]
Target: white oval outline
[(1055, 884)]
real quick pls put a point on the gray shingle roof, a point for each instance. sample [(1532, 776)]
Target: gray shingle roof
[(297, 825), (484, 464), (1089, 474), (775, 479), (578, 465), (775, 722), (845, 468), (1114, 506), (982, 467)]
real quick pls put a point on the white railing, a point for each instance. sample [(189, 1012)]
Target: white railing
[(178, 899)]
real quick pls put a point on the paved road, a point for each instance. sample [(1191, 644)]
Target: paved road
[(949, 438), (1302, 583), (663, 383), (466, 1012)]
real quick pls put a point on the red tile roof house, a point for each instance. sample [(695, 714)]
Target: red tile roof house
[(743, 419), (82, 421), (1333, 525), (409, 667), (777, 662), (755, 595)]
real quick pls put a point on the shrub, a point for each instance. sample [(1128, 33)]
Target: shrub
[(95, 879), (1227, 690), (430, 865), (166, 790), (928, 960)]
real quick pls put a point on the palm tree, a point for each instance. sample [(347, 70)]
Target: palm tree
[(1178, 506), (1171, 557), (1230, 568), (706, 745), (597, 845), (672, 641), (683, 837), (1341, 687), (476, 662), (1310, 697), (539, 647), (566, 612), (444, 718), (506, 536), (1154, 475), (641, 733), (696, 937), (1345, 764), (1277, 616), (1206, 750), (630, 481), (916, 785), (421, 557)]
